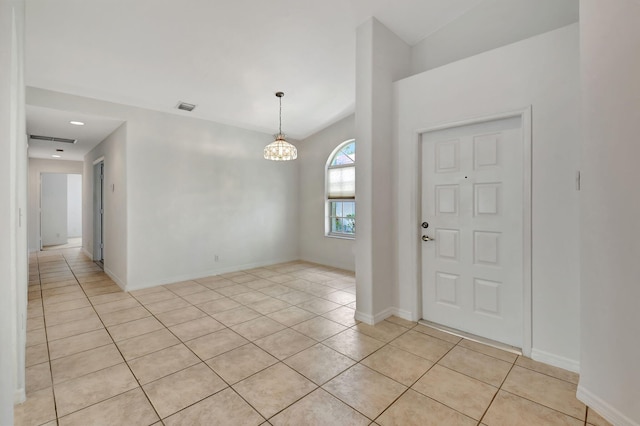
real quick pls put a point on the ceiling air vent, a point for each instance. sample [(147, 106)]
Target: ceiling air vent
[(52, 139), (185, 106)]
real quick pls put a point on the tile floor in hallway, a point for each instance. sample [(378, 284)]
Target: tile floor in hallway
[(275, 345)]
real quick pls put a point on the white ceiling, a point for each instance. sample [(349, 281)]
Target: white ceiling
[(228, 57), (55, 123)]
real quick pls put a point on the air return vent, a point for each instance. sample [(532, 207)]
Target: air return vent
[(52, 139), (185, 106)]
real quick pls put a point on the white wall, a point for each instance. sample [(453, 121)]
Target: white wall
[(313, 153), (542, 72), (610, 208), (381, 58), (198, 189), (74, 206), (496, 23), (186, 190), (114, 233), (37, 166), (53, 209), (13, 237)]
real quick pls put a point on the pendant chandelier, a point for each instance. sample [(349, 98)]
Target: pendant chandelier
[(280, 149)]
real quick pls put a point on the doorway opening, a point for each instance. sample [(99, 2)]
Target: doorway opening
[(60, 211)]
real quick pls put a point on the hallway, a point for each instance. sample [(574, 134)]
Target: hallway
[(274, 345)]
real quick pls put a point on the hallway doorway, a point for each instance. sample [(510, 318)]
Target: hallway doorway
[(60, 211)]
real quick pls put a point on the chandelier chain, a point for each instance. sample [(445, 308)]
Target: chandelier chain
[(280, 149), (280, 128)]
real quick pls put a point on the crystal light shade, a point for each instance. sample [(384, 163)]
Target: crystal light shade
[(280, 150)]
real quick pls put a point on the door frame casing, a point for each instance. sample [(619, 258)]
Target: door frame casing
[(525, 115), (95, 202)]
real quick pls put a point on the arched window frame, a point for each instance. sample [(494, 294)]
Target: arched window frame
[(340, 210)]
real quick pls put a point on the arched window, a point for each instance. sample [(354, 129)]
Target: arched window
[(341, 191)]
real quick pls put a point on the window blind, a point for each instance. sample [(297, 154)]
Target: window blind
[(341, 183)]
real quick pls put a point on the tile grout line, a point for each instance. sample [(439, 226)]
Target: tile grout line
[(498, 391), (543, 405), (123, 359), (540, 372), (316, 342), (44, 317), (316, 315), (183, 343), (282, 361), (423, 374), (248, 342)]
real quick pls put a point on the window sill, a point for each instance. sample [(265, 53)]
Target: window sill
[(341, 237)]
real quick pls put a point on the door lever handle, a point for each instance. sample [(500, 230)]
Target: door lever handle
[(426, 238)]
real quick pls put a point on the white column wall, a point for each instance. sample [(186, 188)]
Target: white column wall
[(610, 208), (363, 121), (542, 72), (381, 58), (313, 153)]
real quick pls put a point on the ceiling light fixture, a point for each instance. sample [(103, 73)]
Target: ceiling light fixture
[(56, 156), (77, 123), (280, 149)]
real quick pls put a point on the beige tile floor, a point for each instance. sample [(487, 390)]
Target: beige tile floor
[(71, 243), (275, 345)]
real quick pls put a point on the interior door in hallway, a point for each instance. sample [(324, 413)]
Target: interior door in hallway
[(472, 246)]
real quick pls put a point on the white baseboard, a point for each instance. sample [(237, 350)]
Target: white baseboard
[(365, 318), (329, 262), (87, 253), (19, 396), (121, 283), (373, 319), (555, 360), (604, 409), (202, 274), (405, 315), (383, 315)]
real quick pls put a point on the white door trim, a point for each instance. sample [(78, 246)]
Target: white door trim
[(98, 204), (525, 115)]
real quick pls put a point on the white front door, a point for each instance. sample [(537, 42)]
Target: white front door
[(472, 201)]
